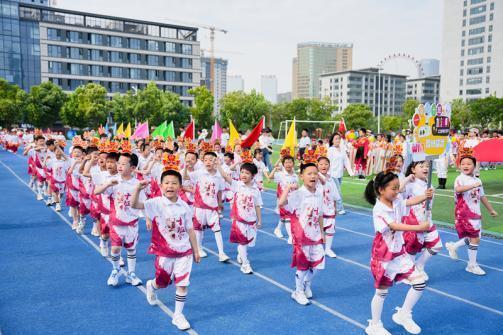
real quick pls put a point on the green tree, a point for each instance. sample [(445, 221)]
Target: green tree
[(86, 107), (123, 107), (44, 104), (244, 109), (409, 108), (202, 111), (461, 116), (389, 123), (487, 112), (12, 103), (358, 116)]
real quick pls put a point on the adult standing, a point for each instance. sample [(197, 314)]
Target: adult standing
[(225, 137), (304, 142), (265, 141), (338, 161)]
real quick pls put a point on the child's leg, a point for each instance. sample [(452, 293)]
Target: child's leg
[(180, 297), (413, 295), (377, 303), (243, 253), (131, 259), (461, 242), (220, 242), (308, 279), (199, 238), (75, 215), (115, 255), (472, 250), (300, 275)]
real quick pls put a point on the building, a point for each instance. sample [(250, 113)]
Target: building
[(425, 89), (359, 87), (220, 79), (72, 48), (235, 83), (431, 67), (315, 58), (471, 66), (284, 97), (269, 88)]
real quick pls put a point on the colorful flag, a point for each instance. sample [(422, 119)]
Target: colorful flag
[(120, 130), (190, 130), (141, 131), (291, 139), (342, 127), (159, 131), (216, 132), (169, 131), (233, 134), (253, 136), (127, 131)]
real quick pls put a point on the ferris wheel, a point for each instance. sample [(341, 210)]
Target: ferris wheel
[(403, 56)]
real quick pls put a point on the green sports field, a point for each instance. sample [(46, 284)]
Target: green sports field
[(443, 206)]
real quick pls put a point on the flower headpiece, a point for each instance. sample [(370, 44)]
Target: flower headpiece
[(464, 152), (207, 147), (170, 162), (126, 147), (95, 142), (191, 147), (310, 156), (391, 164), (77, 141), (246, 156), (112, 147), (285, 152), (321, 151), (102, 146)]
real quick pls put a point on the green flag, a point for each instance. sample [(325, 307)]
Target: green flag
[(159, 131), (169, 131)]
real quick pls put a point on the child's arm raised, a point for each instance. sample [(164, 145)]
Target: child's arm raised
[(102, 188), (135, 200), (405, 227)]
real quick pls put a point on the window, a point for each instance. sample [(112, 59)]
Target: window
[(76, 53), (462, 52), (170, 47), (476, 31), (116, 41), (477, 19), (463, 33), (487, 80), (488, 69), (55, 67), (460, 82), (492, 5), (186, 63), (152, 45), (152, 60), (477, 10), (474, 81), (153, 30), (461, 72), (487, 89), (488, 60), (490, 27), (474, 2), (77, 69), (97, 55), (135, 28), (491, 17), (53, 34), (95, 22), (187, 49), (135, 58), (168, 32), (475, 61), (476, 40), (115, 57), (134, 43), (135, 73), (74, 36), (490, 38), (54, 51), (462, 43), (489, 48), (186, 77), (96, 39), (475, 70), (475, 51), (116, 72), (473, 92), (169, 61), (153, 75), (97, 71), (170, 76)]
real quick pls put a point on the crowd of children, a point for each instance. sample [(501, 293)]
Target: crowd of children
[(180, 187)]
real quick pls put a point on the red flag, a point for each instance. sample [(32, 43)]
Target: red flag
[(342, 127), (489, 151), (190, 131), (254, 134)]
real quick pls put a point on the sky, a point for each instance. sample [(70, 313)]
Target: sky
[(263, 34)]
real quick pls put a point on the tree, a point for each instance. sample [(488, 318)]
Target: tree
[(123, 107), (202, 111), (12, 103), (390, 123), (86, 107), (461, 116), (358, 116), (488, 111), (44, 104), (243, 109), (409, 108)]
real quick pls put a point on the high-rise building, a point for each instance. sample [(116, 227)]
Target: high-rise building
[(472, 50), (269, 88), (284, 97), (220, 79), (235, 83), (314, 59), (425, 89), (380, 91), (430, 67), (71, 48)]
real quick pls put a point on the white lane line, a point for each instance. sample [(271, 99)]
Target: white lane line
[(290, 291), (90, 242), (445, 294)]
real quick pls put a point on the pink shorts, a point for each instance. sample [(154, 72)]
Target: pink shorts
[(126, 236), (178, 268)]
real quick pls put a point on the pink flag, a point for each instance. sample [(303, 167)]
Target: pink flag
[(216, 132), (141, 131)]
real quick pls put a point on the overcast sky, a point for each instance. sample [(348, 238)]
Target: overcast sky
[(263, 34)]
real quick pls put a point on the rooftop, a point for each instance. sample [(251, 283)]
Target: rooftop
[(364, 70)]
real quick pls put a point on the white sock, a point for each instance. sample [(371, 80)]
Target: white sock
[(425, 257), (309, 278), (288, 228), (131, 260), (102, 243), (328, 243), (377, 304), (115, 260), (280, 224), (472, 253), (179, 302), (462, 242), (199, 238), (96, 225), (243, 253), (413, 295), (220, 242), (299, 280)]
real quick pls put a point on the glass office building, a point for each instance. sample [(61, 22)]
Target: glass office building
[(73, 48)]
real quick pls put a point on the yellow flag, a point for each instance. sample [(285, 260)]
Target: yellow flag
[(127, 132), (233, 134), (291, 139), (120, 130)]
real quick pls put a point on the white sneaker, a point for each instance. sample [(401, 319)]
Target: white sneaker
[(180, 322), (342, 212), (404, 319), (330, 253), (300, 298), (113, 280), (121, 262), (40, 197), (475, 269), (202, 253), (58, 207), (80, 228), (75, 225), (132, 279), (376, 329), (223, 258), (48, 202), (221, 215), (95, 231), (453, 253), (308, 292), (151, 295), (246, 268), (278, 233), (289, 241), (104, 251)]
